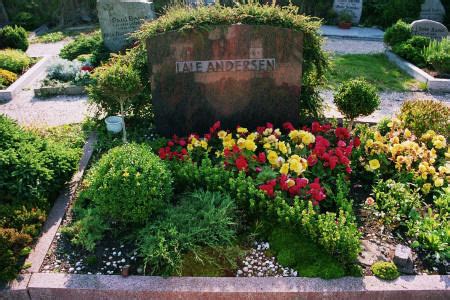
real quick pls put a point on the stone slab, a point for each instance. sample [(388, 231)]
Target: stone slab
[(429, 28), (24, 80), (16, 289), (353, 6), (64, 286), (357, 33), (437, 85), (61, 90), (119, 18), (433, 10), (56, 215), (238, 74)]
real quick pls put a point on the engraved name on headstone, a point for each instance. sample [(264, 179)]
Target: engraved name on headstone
[(429, 28), (352, 6)]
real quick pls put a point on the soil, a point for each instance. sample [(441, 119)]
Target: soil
[(436, 74)]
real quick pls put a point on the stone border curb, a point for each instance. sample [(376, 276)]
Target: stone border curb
[(72, 90), (24, 80), (434, 84)]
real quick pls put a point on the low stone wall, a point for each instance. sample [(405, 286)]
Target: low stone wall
[(433, 84), (60, 90)]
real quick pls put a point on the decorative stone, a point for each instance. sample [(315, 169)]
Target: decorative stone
[(370, 254), (352, 6), (432, 10), (238, 74), (429, 28), (403, 259), (119, 18)]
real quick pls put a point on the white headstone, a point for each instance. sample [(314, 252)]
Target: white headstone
[(119, 18), (429, 28), (352, 6), (432, 10)]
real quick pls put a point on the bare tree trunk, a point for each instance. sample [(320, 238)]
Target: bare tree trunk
[(3, 14)]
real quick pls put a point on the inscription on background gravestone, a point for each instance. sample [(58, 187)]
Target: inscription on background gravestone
[(432, 10), (240, 74), (119, 18), (429, 28), (352, 6)]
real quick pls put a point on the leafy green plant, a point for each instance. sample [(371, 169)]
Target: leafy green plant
[(412, 50), (398, 33), (421, 115), (384, 13), (128, 185), (356, 98), (385, 270), (51, 37), (14, 37), (15, 61), (200, 219), (396, 201), (117, 82), (437, 54), (7, 78), (345, 16), (86, 44)]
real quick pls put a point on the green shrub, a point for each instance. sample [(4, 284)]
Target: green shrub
[(421, 115), (128, 185), (33, 169), (51, 37), (114, 87), (201, 219), (86, 44), (437, 54), (385, 270), (13, 37), (412, 50), (14, 60), (184, 19), (356, 98), (384, 13), (11, 244), (396, 200), (398, 33), (7, 78)]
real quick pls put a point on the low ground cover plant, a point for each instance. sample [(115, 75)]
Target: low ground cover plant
[(86, 44), (34, 169), (6, 78), (14, 61)]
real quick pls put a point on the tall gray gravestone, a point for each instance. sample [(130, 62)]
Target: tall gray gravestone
[(432, 10), (119, 18), (352, 6), (429, 28)]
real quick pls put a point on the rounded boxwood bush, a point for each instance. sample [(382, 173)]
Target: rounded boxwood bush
[(128, 185), (413, 49), (15, 61), (356, 98), (385, 270), (421, 115), (398, 33), (13, 37)]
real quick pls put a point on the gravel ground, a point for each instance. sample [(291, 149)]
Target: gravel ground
[(352, 46), (390, 103)]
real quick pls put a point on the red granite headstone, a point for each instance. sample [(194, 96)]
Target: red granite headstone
[(240, 74)]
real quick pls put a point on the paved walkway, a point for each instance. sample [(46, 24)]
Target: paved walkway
[(360, 33)]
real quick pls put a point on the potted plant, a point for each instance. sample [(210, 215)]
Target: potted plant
[(345, 18)]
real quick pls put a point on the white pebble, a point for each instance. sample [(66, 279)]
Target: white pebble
[(108, 263), (123, 260), (71, 270)]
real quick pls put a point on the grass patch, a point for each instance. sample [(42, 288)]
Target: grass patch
[(296, 251), (375, 68)]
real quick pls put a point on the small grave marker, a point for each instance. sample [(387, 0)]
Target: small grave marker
[(429, 28), (352, 6), (432, 10)]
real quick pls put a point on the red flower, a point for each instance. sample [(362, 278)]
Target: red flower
[(269, 125), (207, 136), (162, 153), (241, 163), (268, 189), (260, 129), (312, 160), (227, 152), (182, 143), (301, 182), (215, 127), (170, 143), (356, 142), (87, 68), (341, 144), (236, 149), (348, 170), (288, 126), (261, 157), (342, 133)]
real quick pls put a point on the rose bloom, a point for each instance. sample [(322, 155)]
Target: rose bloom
[(370, 201)]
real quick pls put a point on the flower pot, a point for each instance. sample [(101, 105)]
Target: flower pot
[(345, 25), (114, 124)]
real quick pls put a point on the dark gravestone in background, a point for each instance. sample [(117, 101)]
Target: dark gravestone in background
[(240, 75)]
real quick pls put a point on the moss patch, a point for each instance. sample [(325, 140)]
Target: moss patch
[(296, 251)]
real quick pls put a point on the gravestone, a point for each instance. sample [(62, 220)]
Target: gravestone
[(119, 18), (432, 10), (429, 28), (238, 74), (352, 6)]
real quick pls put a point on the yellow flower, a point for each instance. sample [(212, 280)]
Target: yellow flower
[(190, 147), (284, 169), (267, 146), (218, 154), (252, 136), (241, 143), (426, 188), (374, 164), (250, 145), (378, 137), (204, 144), (439, 142), (138, 174), (125, 174), (272, 157), (438, 182), (242, 130), (294, 135), (407, 133), (267, 131), (308, 138), (282, 147), (290, 183), (222, 134), (369, 143), (228, 144)]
